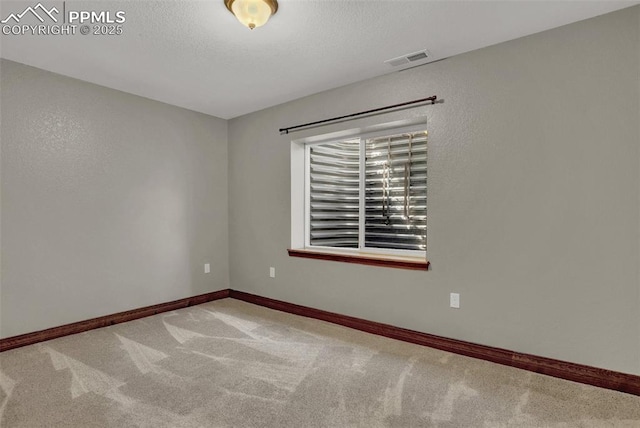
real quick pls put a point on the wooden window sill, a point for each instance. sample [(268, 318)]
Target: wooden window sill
[(364, 259)]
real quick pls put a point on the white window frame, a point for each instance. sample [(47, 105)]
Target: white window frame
[(360, 135)]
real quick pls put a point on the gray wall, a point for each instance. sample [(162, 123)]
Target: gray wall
[(109, 201), (534, 208)]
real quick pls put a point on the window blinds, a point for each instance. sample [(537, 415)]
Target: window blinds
[(394, 192), (334, 194)]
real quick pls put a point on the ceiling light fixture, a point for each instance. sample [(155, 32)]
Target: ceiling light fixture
[(252, 13)]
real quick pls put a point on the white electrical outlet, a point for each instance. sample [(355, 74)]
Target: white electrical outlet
[(207, 268), (454, 300), (272, 272)]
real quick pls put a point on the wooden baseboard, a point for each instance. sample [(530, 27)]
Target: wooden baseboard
[(561, 369), (81, 326)]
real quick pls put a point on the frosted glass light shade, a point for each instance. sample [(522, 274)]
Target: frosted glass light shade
[(252, 13)]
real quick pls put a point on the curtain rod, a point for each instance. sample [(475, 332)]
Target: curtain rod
[(432, 98)]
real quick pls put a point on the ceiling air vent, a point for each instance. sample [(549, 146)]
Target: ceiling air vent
[(417, 57), (408, 58)]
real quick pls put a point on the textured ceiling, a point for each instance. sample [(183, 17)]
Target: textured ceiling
[(196, 55)]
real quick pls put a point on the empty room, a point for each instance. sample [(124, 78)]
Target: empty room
[(319, 213)]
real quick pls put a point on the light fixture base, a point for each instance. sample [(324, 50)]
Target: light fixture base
[(273, 4)]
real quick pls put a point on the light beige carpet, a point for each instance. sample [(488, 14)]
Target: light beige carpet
[(232, 364)]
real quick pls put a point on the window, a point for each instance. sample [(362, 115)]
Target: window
[(367, 194)]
